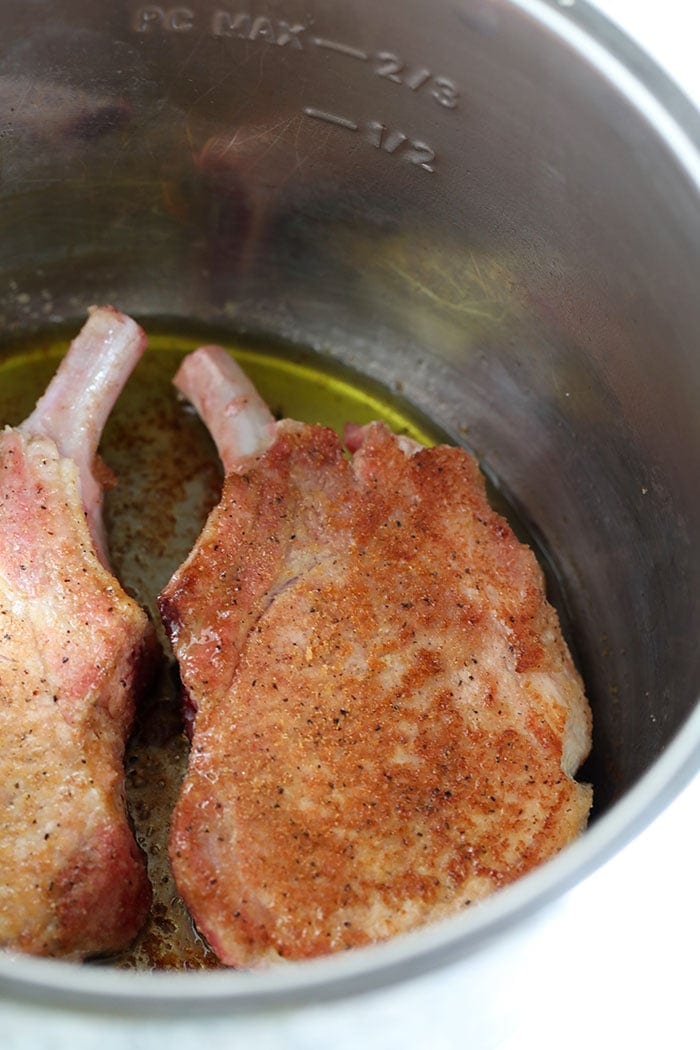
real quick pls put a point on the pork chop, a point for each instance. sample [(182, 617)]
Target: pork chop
[(386, 717), (74, 651)]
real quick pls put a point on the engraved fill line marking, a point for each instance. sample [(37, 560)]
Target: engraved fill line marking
[(331, 118), (343, 49)]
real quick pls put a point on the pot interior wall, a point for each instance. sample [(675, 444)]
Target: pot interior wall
[(445, 197)]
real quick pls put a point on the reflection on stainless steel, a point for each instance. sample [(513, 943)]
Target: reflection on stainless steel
[(54, 113), (479, 200)]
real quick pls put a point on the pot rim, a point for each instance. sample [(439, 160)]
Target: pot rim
[(676, 121)]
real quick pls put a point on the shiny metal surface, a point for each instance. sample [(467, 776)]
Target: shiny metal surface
[(495, 204)]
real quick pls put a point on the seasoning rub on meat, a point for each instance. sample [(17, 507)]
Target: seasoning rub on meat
[(386, 719), (74, 651)]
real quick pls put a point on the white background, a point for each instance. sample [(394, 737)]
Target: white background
[(667, 29)]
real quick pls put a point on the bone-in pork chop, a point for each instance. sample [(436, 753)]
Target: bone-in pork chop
[(386, 719), (74, 649)]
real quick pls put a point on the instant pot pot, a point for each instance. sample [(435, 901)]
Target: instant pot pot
[(491, 207)]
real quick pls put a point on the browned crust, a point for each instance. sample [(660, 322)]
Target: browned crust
[(384, 696), (76, 654)]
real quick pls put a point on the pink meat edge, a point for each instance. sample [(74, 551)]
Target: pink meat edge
[(240, 423), (77, 402)]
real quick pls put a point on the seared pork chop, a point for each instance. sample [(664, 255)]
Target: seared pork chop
[(74, 649), (386, 717)]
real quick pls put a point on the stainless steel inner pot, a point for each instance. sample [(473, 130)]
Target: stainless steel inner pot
[(493, 204)]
